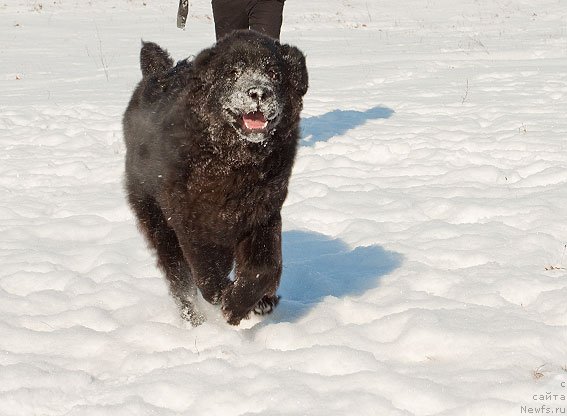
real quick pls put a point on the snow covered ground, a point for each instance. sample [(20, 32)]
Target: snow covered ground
[(425, 230)]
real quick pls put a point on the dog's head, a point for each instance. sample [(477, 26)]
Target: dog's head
[(251, 83)]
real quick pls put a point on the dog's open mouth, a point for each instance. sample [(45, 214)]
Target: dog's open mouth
[(255, 121), (254, 126)]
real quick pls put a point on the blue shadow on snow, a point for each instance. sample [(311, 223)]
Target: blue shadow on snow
[(316, 266), (334, 123)]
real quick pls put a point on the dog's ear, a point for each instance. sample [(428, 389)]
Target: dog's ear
[(297, 68), (201, 64), (153, 59)]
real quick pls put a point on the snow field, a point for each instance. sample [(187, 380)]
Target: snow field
[(425, 229)]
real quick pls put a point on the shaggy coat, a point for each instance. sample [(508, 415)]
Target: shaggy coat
[(210, 147)]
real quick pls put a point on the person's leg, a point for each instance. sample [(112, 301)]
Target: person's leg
[(266, 17), (229, 15)]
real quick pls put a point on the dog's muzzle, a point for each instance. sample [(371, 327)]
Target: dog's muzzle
[(253, 108)]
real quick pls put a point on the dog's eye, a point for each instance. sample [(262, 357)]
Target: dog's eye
[(273, 74), (236, 68)]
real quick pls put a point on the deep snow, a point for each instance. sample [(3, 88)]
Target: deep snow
[(425, 230)]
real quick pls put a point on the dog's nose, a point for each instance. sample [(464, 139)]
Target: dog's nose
[(259, 93)]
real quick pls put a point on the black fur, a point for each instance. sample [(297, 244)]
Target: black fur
[(207, 191)]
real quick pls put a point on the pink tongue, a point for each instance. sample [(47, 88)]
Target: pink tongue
[(254, 121)]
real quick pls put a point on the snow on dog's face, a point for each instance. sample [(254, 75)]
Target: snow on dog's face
[(251, 81), (251, 101)]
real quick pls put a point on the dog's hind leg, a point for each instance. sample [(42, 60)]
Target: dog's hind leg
[(169, 255)]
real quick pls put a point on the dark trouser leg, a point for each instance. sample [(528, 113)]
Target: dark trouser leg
[(229, 15), (258, 271), (266, 17)]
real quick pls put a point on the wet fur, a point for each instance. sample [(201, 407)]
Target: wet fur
[(205, 197)]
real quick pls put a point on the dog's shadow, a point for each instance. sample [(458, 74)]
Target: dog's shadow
[(334, 123), (316, 266)]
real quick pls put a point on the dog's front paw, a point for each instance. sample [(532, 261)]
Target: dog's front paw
[(234, 312), (232, 317), (266, 305)]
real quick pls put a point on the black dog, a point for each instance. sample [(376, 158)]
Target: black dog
[(210, 148)]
